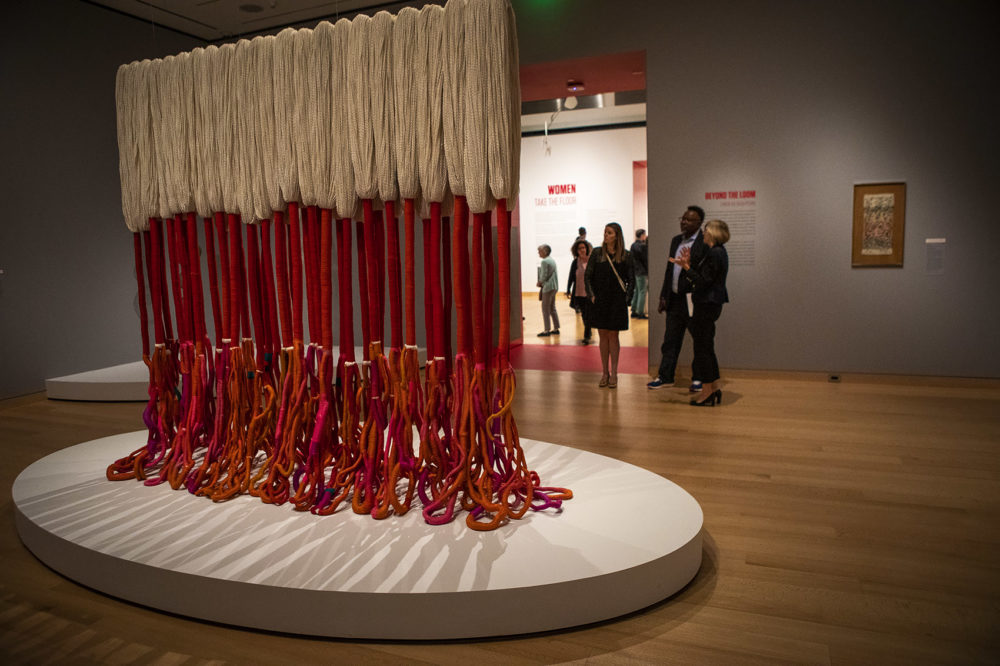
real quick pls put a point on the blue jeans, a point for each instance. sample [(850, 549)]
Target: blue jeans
[(639, 297)]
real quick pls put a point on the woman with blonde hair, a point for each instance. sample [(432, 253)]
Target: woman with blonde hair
[(610, 280), (708, 293)]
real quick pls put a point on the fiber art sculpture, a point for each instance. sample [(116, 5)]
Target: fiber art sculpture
[(276, 145)]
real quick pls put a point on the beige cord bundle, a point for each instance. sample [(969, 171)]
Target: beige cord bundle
[(223, 90), (126, 98), (303, 119), (342, 166), (476, 111), (268, 196), (359, 109), (174, 135), (284, 85), (158, 91), (147, 177), (187, 174), (322, 100), (244, 122), (503, 99), (406, 75), (419, 106), (429, 76), (207, 188), (381, 94), (453, 106)]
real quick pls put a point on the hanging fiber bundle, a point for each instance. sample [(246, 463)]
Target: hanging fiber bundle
[(277, 143), (128, 104), (303, 118), (284, 86)]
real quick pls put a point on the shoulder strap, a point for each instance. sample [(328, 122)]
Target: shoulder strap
[(621, 284)]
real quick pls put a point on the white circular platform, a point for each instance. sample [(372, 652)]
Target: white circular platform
[(129, 382), (627, 539), (126, 382)]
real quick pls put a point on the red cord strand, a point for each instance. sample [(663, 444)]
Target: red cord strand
[(281, 269), (295, 252), (213, 280), (225, 304), (140, 284), (410, 277), (395, 286)]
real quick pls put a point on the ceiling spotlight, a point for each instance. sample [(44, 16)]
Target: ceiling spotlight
[(574, 85), (570, 103)]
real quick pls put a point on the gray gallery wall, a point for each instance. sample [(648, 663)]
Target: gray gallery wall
[(67, 296), (799, 100)]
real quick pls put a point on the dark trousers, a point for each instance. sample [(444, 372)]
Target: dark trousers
[(702, 326), (677, 322), (582, 305)]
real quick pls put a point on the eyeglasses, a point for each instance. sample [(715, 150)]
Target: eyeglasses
[(688, 219)]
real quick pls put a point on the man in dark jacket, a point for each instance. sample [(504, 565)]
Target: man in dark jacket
[(640, 265), (674, 300)]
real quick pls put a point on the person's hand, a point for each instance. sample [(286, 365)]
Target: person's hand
[(568, 295), (662, 307), (683, 259)]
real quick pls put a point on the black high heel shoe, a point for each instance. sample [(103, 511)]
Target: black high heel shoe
[(715, 396)]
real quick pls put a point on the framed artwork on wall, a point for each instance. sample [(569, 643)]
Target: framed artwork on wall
[(879, 217)]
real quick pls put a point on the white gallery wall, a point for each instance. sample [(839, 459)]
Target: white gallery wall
[(581, 179)]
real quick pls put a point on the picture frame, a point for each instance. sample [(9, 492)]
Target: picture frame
[(879, 224)]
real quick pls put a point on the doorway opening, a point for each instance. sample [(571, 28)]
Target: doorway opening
[(583, 165)]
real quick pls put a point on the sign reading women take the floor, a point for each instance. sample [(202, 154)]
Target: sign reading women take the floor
[(554, 212), (558, 216), (583, 179), (738, 209)]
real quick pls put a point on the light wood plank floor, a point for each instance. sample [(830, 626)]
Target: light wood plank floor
[(571, 330), (844, 523)]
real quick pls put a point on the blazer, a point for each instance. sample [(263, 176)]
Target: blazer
[(683, 286), (548, 278), (571, 282), (707, 280), (640, 258)]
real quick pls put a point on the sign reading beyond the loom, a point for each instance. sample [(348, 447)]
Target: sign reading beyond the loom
[(738, 208), (559, 195)]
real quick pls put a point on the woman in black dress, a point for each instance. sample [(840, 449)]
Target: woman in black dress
[(708, 292), (610, 281)]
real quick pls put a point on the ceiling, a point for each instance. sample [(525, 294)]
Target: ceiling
[(213, 20), (616, 72), (225, 20)]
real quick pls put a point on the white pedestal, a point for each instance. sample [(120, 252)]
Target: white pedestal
[(129, 381), (627, 539)]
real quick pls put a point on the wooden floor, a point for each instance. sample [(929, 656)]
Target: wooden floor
[(571, 325), (844, 523)]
